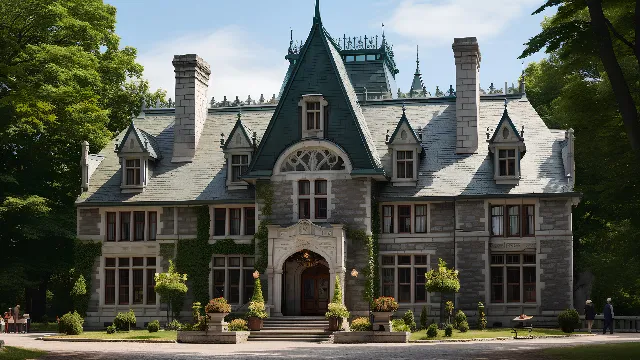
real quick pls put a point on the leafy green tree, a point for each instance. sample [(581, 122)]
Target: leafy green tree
[(172, 287), (442, 280)]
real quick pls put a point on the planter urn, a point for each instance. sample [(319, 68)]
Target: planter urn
[(334, 323), (216, 322), (382, 320), (254, 323)]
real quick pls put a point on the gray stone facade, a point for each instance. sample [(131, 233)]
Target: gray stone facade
[(556, 274), (442, 217), (187, 221), (167, 219), (471, 260), (282, 207), (555, 214), (89, 221), (471, 215), (349, 200)]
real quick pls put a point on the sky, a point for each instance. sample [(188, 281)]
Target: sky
[(245, 42)]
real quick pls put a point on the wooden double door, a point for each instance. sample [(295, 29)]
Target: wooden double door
[(315, 290)]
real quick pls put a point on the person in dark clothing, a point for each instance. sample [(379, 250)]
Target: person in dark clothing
[(589, 314), (608, 317)]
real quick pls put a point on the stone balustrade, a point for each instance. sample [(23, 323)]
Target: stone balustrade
[(620, 323)]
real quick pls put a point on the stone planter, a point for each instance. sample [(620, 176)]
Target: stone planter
[(208, 337), (254, 323), (382, 321), (361, 337), (216, 322), (334, 323)]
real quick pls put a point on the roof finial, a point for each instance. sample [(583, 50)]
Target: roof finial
[(417, 60), (505, 104), (316, 18), (403, 108), (239, 115), (383, 38)]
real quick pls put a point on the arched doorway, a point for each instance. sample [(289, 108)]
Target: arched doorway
[(307, 284), (315, 290)]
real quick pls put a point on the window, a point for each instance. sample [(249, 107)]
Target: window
[(153, 225), (320, 199), (507, 162), (528, 218), (371, 57), (133, 275), (360, 57), (233, 278), (403, 277), (235, 221), (514, 220), (387, 216), (304, 202), (219, 221), (519, 270), (138, 233), (313, 116), (133, 172), (239, 166), (421, 218), (404, 164), (249, 221), (404, 218), (125, 222), (497, 220), (111, 226)]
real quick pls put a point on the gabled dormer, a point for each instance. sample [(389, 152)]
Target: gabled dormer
[(405, 146), (508, 147), (136, 150), (238, 151)]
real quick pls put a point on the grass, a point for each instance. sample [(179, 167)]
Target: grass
[(133, 335), (620, 351), (43, 327), (489, 333), (16, 353)]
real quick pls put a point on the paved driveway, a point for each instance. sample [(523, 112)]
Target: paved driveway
[(492, 350)]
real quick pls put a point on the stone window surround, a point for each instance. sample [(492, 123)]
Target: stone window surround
[(395, 180), (144, 166), (131, 209), (521, 203), (312, 196), (427, 253), (308, 98), (237, 185), (396, 223), (102, 279), (242, 268), (521, 265), (505, 179), (227, 225), (279, 175)]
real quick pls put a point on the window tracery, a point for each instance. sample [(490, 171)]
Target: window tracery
[(312, 160)]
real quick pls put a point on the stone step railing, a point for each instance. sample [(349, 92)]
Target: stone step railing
[(620, 323)]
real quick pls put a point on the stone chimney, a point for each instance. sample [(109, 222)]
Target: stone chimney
[(84, 166), (192, 79), (467, 56)]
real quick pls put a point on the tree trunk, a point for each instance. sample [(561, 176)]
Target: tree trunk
[(626, 105), (441, 308)]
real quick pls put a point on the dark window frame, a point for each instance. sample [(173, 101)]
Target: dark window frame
[(404, 220)]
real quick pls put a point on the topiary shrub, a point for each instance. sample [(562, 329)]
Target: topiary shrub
[(238, 325), (464, 326), (361, 324), (423, 317), (124, 321), (432, 331), (71, 323), (399, 325), (448, 330), (459, 318), (569, 320), (409, 320), (482, 318), (111, 329), (153, 326)]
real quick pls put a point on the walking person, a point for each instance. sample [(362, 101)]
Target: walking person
[(16, 315), (608, 317), (589, 314)]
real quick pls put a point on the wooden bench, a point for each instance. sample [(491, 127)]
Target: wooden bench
[(515, 330)]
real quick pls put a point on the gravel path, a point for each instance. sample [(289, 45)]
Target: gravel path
[(485, 350)]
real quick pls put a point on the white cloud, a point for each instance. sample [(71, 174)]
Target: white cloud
[(438, 22), (239, 65)]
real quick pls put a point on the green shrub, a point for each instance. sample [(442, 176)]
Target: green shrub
[(569, 320), (70, 323), (460, 317), (174, 325), (257, 309), (409, 320), (399, 325), (423, 317), (235, 315), (337, 310), (153, 326), (218, 305), (448, 330), (238, 325), (124, 321), (111, 329), (432, 331), (482, 317), (361, 324), (464, 326)]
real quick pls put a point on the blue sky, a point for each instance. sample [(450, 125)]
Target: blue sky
[(245, 42)]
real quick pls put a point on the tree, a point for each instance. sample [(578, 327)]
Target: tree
[(171, 286), (585, 28), (63, 79), (442, 280)]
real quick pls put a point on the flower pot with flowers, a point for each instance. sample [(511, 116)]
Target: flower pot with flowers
[(256, 312), (383, 308), (216, 310), (336, 311)]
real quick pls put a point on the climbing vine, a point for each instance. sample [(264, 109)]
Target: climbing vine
[(167, 251), (229, 246), (374, 247), (85, 254), (264, 193)]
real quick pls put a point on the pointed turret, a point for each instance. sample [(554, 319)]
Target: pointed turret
[(316, 18), (417, 87)]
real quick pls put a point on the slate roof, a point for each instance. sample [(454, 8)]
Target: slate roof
[(147, 141)]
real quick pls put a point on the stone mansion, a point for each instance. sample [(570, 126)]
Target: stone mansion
[(477, 180)]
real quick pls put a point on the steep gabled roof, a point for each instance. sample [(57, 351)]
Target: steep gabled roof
[(403, 120), (507, 119), (146, 141), (239, 126)]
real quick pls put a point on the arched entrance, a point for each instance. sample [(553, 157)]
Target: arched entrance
[(306, 280), (315, 290)]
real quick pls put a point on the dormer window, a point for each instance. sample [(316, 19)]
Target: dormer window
[(404, 164), (313, 115), (239, 166), (406, 148), (507, 146), (238, 148), (137, 150), (507, 162), (132, 168)]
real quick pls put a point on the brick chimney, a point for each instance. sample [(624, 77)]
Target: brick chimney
[(192, 79), (467, 56)]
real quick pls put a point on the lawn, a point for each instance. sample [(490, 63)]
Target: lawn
[(15, 353), (489, 333), (43, 327), (133, 334), (620, 351)]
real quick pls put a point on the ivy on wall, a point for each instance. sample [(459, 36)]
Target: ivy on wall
[(264, 193), (168, 251), (85, 254), (229, 246), (371, 271)]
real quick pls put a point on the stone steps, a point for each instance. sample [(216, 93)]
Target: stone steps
[(293, 328)]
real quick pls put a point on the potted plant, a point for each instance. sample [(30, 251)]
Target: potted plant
[(336, 310), (256, 312), (216, 310), (383, 308)]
